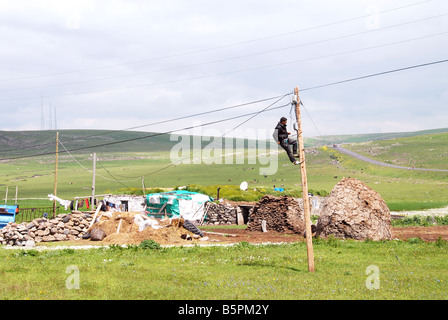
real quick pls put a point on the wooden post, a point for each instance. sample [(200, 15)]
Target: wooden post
[(93, 181), (17, 191), (94, 216), (56, 174), (143, 186), (306, 200)]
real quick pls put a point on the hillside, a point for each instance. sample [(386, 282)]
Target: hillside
[(358, 138), (25, 143), (125, 165), (429, 151), (15, 144)]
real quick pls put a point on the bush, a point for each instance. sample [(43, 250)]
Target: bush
[(415, 240), (149, 244)]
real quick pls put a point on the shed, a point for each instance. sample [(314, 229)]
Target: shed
[(129, 203)]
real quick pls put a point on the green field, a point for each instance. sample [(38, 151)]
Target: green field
[(120, 168), (410, 269), (404, 270)]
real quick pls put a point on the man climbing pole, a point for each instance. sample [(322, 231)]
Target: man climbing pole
[(281, 136)]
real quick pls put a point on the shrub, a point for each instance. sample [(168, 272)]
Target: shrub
[(149, 244)]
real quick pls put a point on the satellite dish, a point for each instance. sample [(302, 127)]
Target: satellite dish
[(243, 186)]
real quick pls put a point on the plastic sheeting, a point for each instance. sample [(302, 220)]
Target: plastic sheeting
[(184, 204)]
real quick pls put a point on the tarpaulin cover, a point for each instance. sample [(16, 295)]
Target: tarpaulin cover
[(180, 203)]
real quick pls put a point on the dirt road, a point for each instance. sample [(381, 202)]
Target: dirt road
[(365, 159)]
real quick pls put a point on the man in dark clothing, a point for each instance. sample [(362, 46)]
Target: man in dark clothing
[(281, 136)]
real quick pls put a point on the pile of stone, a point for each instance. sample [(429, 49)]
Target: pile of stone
[(354, 211), (220, 213), (282, 214), (64, 227)]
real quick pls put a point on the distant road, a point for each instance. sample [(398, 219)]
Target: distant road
[(363, 158)]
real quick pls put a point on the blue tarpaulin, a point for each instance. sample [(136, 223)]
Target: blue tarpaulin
[(7, 214)]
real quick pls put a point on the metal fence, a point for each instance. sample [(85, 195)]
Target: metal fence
[(29, 214)]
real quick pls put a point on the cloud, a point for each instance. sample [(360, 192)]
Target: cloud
[(119, 64)]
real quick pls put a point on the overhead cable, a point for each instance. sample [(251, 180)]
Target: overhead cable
[(221, 46)]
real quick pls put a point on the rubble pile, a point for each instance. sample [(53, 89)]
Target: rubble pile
[(282, 214), (133, 228), (354, 211), (63, 227)]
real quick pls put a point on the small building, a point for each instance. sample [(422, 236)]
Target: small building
[(129, 203)]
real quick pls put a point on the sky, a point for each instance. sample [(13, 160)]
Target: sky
[(111, 64)]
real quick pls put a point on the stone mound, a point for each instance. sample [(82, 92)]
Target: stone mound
[(354, 211), (282, 214)]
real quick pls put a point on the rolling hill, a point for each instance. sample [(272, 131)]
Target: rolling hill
[(125, 158), (14, 144)]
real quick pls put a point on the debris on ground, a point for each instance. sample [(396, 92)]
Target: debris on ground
[(133, 228)]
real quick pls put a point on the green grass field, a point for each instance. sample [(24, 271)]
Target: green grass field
[(410, 269), (404, 270), (122, 172)]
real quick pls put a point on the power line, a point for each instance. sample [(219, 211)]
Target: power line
[(219, 47), (243, 56), (140, 138), (155, 123), (233, 72), (375, 74), (234, 128), (236, 117), (85, 168)]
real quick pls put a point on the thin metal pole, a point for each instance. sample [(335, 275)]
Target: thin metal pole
[(56, 174)]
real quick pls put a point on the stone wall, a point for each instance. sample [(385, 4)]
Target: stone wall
[(63, 227), (220, 213)]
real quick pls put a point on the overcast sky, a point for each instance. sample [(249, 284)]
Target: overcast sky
[(119, 64)]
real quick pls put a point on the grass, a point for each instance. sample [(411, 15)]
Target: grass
[(407, 270), (121, 171), (418, 220)]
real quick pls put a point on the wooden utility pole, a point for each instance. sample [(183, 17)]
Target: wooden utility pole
[(93, 181), (17, 191), (56, 174), (306, 200)]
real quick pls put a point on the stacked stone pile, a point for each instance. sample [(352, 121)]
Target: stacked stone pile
[(220, 213), (63, 227), (282, 214)]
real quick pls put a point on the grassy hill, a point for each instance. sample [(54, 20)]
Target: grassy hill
[(122, 167), (358, 138), (423, 151), (15, 144)]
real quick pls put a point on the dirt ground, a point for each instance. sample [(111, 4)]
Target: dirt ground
[(227, 236), (401, 233), (424, 233)]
